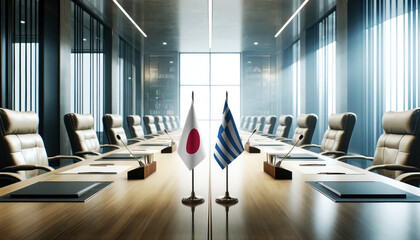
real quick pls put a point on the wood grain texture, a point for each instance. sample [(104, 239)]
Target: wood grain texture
[(152, 208)]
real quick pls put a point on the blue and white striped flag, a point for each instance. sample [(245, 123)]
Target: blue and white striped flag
[(228, 145)]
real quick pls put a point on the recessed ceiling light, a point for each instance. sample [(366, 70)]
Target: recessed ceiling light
[(165, 43), (84, 39), (129, 18), (255, 43), (291, 18), (249, 62), (22, 22), (171, 62)]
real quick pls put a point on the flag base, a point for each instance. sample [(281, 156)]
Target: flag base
[(226, 200), (193, 200)]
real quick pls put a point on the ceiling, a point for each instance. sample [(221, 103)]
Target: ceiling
[(183, 24)]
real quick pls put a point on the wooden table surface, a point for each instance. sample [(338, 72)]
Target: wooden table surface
[(152, 208)]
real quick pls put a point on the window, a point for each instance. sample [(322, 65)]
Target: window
[(291, 83), (23, 55), (392, 60), (325, 70), (210, 76), (87, 66)]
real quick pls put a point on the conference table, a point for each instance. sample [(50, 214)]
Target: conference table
[(152, 209)]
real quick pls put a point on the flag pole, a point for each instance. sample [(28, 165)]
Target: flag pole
[(227, 200), (193, 199)]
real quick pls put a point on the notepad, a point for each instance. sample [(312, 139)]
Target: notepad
[(126, 154), (297, 156), (54, 190), (368, 189), (106, 169)]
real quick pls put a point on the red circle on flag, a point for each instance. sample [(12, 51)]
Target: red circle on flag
[(193, 141)]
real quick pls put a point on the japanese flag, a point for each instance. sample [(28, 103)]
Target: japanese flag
[(191, 149)]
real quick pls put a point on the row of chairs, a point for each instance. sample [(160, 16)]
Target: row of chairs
[(156, 124), (397, 153), (22, 150)]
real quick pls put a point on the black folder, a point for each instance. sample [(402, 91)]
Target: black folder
[(54, 190), (367, 189)]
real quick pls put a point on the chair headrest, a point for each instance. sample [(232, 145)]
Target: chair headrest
[(305, 120), (135, 119), (158, 119), (339, 121), (15, 122), (285, 120), (260, 118), (114, 120), (82, 121), (270, 119), (405, 122), (148, 119)]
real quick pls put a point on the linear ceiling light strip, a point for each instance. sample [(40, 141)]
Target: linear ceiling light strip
[(210, 22), (129, 18), (291, 18)]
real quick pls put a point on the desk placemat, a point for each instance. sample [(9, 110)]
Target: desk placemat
[(86, 195), (410, 197)]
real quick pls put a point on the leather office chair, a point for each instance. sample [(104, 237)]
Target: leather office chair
[(285, 123), (253, 123), (260, 123), (82, 136), (134, 126), (167, 123), (178, 124), (173, 122), (247, 122), (306, 124), (113, 126), (398, 148), (270, 123), (242, 122), (160, 126), (22, 151), (337, 138), (149, 125)]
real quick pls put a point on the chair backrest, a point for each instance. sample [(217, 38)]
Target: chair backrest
[(167, 123), (173, 122), (247, 122), (134, 126), (260, 123), (253, 123), (400, 143), (159, 123), (285, 123), (306, 124), (270, 123), (178, 124), (242, 122), (149, 124), (113, 126), (338, 135), (81, 134), (20, 142)]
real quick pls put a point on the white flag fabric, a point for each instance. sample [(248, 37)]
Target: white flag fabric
[(229, 145), (191, 149)]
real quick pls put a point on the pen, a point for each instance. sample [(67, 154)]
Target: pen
[(331, 173), (312, 164)]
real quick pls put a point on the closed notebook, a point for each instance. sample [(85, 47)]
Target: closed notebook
[(358, 189), (54, 190)]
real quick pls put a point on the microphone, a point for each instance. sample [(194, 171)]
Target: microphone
[(285, 156), (166, 131), (134, 156), (251, 135)]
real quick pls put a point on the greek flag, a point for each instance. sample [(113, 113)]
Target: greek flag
[(228, 145)]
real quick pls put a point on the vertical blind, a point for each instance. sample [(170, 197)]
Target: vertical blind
[(23, 55), (87, 66), (392, 60)]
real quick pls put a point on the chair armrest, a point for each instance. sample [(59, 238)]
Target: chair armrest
[(10, 177), (343, 158), (134, 140), (110, 146), (394, 167), (83, 153), (310, 145), (17, 168), (407, 177), (59, 157), (336, 153)]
